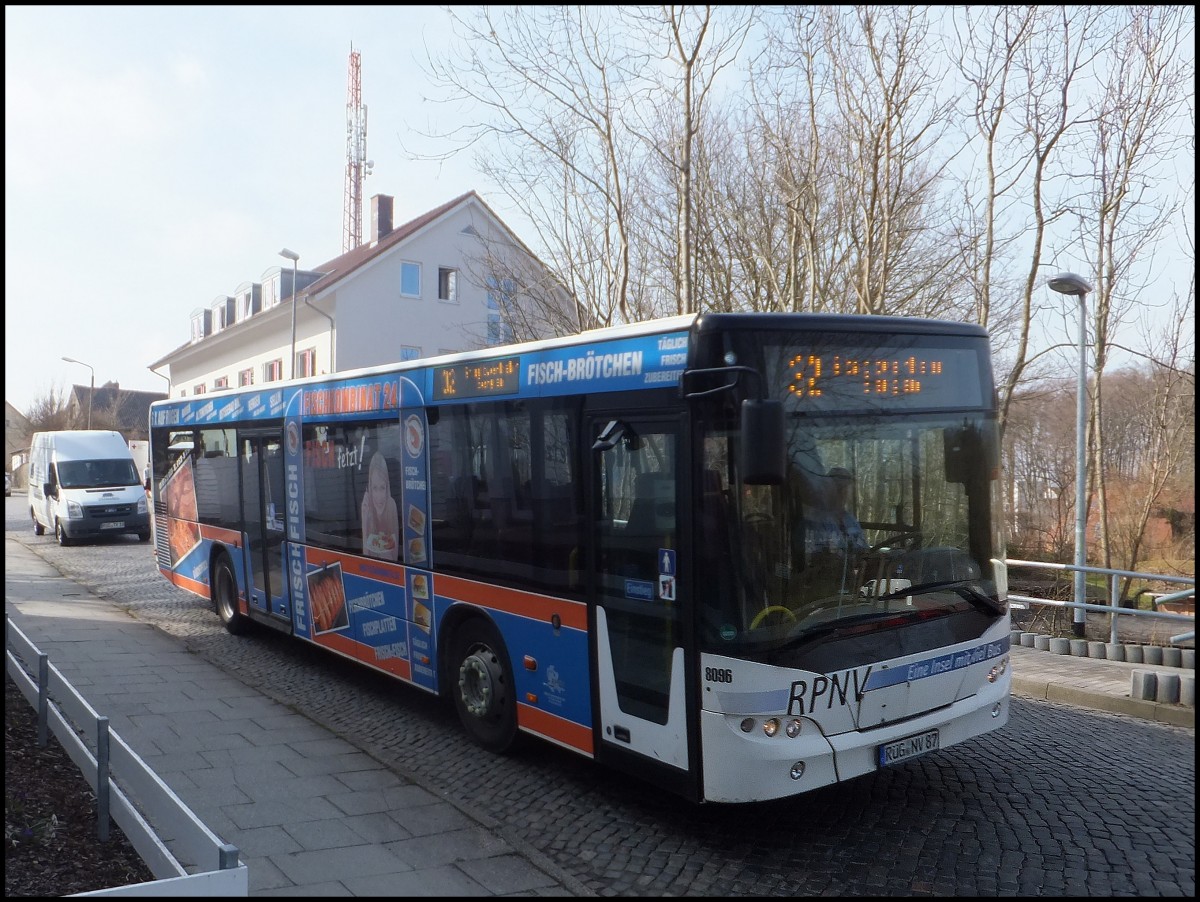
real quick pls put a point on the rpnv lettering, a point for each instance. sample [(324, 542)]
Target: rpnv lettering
[(827, 690)]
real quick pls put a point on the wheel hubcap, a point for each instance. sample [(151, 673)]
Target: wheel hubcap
[(475, 685)]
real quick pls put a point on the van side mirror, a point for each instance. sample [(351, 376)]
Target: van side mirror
[(763, 460), (50, 490)]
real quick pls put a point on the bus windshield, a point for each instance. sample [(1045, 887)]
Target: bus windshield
[(889, 510)]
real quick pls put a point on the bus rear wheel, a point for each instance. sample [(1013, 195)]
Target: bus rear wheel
[(225, 597), (484, 693)]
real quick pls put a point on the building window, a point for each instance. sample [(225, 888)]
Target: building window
[(246, 377), (447, 284), (410, 280), (220, 383), (249, 301), (200, 324), (306, 362), (498, 332), (408, 352), (273, 370), (270, 292), (199, 389)]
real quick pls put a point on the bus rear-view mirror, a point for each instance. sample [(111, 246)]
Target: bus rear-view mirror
[(762, 442)]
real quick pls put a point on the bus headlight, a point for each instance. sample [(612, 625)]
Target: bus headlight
[(793, 728), (747, 724), (998, 670), (771, 726)]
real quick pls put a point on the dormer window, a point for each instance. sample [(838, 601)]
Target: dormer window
[(201, 321)]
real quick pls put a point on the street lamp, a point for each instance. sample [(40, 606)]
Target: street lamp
[(295, 258), (1076, 286), (93, 388)]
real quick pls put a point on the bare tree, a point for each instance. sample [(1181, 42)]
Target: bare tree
[(987, 46), (1147, 78), (551, 84), (1041, 60), (699, 48), (50, 412), (1160, 452), (890, 122)]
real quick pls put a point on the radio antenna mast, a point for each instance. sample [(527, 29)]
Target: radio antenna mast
[(358, 167)]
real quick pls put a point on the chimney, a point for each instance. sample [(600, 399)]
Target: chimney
[(381, 217)]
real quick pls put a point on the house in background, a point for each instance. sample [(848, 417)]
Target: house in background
[(17, 433), (450, 280), (112, 407)]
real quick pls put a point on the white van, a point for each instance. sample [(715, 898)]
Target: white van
[(83, 484)]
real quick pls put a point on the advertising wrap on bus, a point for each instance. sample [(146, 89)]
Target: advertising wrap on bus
[(739, 555)]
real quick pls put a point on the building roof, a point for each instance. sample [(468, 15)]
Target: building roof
[(337, 269), (132, 406)]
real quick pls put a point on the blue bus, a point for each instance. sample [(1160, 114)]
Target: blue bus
[(742, 555)]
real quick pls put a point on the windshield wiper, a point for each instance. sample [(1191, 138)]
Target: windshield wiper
[(962, 587)]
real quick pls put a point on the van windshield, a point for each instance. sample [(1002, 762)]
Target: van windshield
[(95, 474)]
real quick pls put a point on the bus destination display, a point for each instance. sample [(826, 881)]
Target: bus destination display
[(479, 379), (943, 377)]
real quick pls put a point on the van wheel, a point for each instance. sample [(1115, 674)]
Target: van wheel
[(38, 528), (482, 685), (144, 536), (61, 534), (225, 597)]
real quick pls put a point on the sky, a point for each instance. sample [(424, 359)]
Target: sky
[(158, 157)]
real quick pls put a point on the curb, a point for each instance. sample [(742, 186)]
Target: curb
[(1047, 690)]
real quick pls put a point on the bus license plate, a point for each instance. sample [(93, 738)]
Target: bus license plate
[(908, 747), (114, 524)]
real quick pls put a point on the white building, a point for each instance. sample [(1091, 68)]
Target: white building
[(449, 280)]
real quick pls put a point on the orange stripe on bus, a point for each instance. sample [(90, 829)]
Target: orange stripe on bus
[(220, 534), (552, 727), (186, 582), (352, 648), (526, 604), (368, 567)]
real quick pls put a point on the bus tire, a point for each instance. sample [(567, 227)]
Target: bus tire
[(225, 597), (483, 687)]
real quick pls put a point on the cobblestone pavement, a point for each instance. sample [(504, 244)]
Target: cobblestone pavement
[(1062, 801)]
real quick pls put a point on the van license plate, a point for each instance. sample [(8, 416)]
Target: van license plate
[(908, 747), (114, 524)]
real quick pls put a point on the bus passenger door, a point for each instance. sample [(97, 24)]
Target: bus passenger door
[(639, 647), (263, 519)]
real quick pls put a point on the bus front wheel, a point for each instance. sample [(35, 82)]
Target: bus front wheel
[(225, 597), (483, 689)]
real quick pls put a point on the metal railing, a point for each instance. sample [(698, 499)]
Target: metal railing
[(61, 709), (1113, 608)]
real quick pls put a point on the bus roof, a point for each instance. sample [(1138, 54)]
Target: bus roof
[(697, 322)]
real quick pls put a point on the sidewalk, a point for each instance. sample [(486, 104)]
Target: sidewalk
[(349, 825), (1092, 683), (310, 813)]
